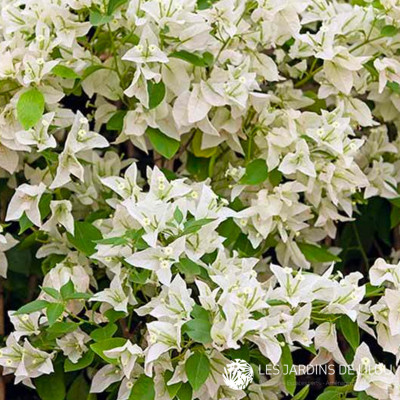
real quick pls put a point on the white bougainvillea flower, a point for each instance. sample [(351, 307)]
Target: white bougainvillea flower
[(25, 324), (117, 296), (126, 186), (26, 200), (106, 376), (159, 259), (7, 242), (60, 214), (39, 136), (73, 345), (80, 138), (126, 356)]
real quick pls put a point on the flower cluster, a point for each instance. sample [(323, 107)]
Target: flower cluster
[(179, 171)]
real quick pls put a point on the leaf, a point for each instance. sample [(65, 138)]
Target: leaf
[(78, 296), (172, 389), (67, 289), (107, 344), (31, 307), (197, 369), (79, 390), (55, 294), (97, 19), (330, 395), (103, 333), (256, 173), (51, 387), (85, 236), (54, 311), (143, 389), (61, 328), (188, 267), (193, 225), (30, 108), (205, 4), (162, 143), (113, 315), (114, 4), (302, 395), (185, 392), (199, 328), (82, 363), (116, 122), (196, 146), (289, 376), (350, 331), (364, 396), (389, 30), (178, 216), (64, 72), (156, 93), (191, 58), (315, 253)]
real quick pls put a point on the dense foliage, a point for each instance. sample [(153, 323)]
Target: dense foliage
[(188, 182)]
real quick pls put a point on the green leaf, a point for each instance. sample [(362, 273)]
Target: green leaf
[(185, 392), (85, 236), (55, 294), (82, 363), (197, 369), (54, 311), (79, 390), (194, 225), (156, 93), (364, 396), (114, 4), (61, 328), (205, 4), (199, 328), (103, 333), (107, 344), (315, 253), (256, 173), (275, 177), (389, 30), (302, 395), (97, 19), (78, 296), (143, 389), (188, 267), (113, 315), (64, 72), (350, 331), (172, 389), (330, 395), (289, 377), (162, 143), (67, 289), (30, 108), (191, 58), (178, 216), (31, 307), (116, 122), (51, 387), (196, 146)]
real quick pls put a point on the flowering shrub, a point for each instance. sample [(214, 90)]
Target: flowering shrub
[(185, 183)]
